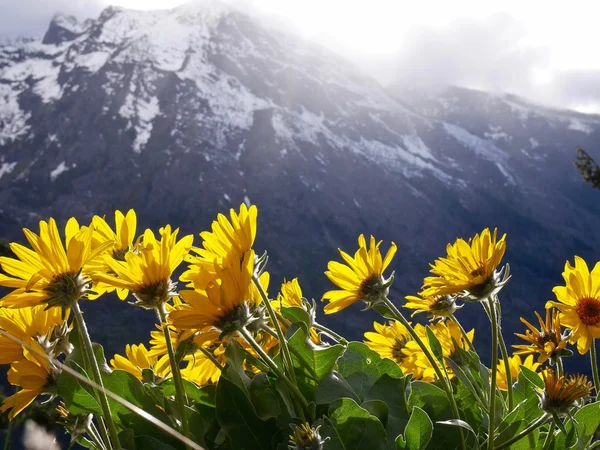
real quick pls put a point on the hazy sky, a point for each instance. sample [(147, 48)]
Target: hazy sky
[(544, 50)]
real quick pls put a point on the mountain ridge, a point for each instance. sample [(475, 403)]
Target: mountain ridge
[(184, 113)]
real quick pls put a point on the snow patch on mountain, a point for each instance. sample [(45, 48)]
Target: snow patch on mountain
[(13, 120), (482, 147), (92, 61), (578, 125), (43, 72), (7, 168), (60, 169)]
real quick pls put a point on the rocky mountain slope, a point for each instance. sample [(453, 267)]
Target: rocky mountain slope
[(188, 112)]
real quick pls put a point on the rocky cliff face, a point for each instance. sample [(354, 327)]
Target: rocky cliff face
[(188, 112)]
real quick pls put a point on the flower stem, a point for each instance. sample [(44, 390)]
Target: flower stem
[(179, 390), (463, 332), (444, 380), (509, 380), (89, 350), (269, 362), (332, 334), (285, 351), (538, 423), (549, 437), (559, 366), (594, 362), (210, 356), (494, 368)]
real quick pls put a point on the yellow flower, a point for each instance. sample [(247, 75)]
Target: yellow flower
[(44, 326), (51, 273), (362, 279), (138, 358), (229, 240), (291, 294), (469, 268), (547, 341), (391, 341), (200, 369), (34, 375), (147, 272), (447, 333), (306, 437), (561, 393), (579, 303), (515, 364), (227, 303), (122, 239), (438, 306)]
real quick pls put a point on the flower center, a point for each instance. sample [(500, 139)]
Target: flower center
[(479, 272), (371, 289), (397, 354), (119, 254), (588, 310), (153, 295)]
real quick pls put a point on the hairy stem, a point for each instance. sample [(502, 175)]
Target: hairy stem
[(285, 351), (210, 356), (538, 423), (179, 390), (549, 437), (509, 380), (434, 363), (89, 350), (494, 368), (463, 332), (269, 362), (594, 362)]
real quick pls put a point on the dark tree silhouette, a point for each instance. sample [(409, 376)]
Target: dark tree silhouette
[(588, 168)]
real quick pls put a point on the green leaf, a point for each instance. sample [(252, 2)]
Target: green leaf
[(201, 396), (419, 430), (296, 314), (238, 418), (235, 365), (353, 428), (332, 387), (533, 377), (588, 421), (458, 423), (377, 408), (436, 347), (320, 361), (392, 391), (434, 402), (361, 367), (265, 400), (150, 443)]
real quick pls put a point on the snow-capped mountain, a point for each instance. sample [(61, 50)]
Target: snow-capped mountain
[(186, 112)]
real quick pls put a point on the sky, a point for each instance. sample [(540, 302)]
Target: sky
[(543, 50)]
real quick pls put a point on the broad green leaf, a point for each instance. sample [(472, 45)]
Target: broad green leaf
[(296, 315), (434, 402), (392, 391), (150, 443), (305, 354), (588, 421), (332, 387), (419, 430), (235, 366), (266, 402), (361, 367), (435, 345), (237, 417), (377, 408), (353, 428)]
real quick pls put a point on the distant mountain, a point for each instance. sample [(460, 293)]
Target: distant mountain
[(184, 113)]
